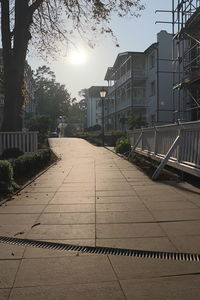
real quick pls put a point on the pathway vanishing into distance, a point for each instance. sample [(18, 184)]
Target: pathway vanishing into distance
[(94, 197)]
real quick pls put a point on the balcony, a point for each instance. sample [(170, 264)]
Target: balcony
[(1, 101)]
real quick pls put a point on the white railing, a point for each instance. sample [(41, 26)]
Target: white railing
[(25, 141), (157, 141)]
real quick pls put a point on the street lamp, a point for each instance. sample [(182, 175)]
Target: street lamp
[(103, 93)]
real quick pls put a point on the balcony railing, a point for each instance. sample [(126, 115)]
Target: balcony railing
[(156, 142)]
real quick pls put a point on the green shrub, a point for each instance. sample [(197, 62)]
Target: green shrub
[(6, 177), (11, 153), (122, 145), (29, 163)]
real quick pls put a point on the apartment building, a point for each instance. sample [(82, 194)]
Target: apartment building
[(159, 83), (126, 89), (141, 83), (93, 104)]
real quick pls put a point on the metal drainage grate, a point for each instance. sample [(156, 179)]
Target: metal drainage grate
[(101, 250)]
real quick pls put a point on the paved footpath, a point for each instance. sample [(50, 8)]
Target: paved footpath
[(93, 197)]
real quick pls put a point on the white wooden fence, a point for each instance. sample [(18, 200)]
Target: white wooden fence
[(25, 141), (156, 142)]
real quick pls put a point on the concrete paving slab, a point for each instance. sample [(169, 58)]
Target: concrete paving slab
[(129, 192), (112, 186), (21, 209), (187, 244), (147, 243), (133, 216), (27, 201), (78, 179), (196, 201), (14, 230), (72, 200), (154, 192), (177, 215), (4, 294), (64, 270), (129, 206), (67, 218), (89, 291), (54, 208), (115, 199), (33, 196), (20, 219), (110, 179), (77, 188), (75, 192), (183, 228), (11, 252), (136, 268), (166, 205), (71, 194), (35, 189), (8, 272), (176, 288), (151, 189), (129, 230), (163, 197), (85, 231)]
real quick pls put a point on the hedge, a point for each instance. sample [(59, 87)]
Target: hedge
[(6, 177), (27, 164)]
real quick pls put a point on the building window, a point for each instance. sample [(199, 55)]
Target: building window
[(152, 61), (152, 88)]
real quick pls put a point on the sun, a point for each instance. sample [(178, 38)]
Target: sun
[(77, 57)]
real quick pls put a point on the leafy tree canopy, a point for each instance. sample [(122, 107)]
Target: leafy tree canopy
[(136, 121), (52, 97), (77, 111)]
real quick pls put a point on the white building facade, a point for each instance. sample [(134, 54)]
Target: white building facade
[(141, 83), (94, 107)]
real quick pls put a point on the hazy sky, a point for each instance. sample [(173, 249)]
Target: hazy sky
[(134, 34)]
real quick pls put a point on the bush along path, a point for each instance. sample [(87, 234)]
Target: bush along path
[(15, 172)]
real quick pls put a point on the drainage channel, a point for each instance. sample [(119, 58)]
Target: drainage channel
[(194, 257)]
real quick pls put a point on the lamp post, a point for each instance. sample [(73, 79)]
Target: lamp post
[(103, 93)]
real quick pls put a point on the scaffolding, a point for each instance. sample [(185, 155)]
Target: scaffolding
[(186, 58)]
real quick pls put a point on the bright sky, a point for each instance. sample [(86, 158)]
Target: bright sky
[(88, 67)]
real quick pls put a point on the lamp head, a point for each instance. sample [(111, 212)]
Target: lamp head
[(103, 93)]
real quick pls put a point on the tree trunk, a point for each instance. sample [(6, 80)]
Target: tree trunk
[(14, 62), (13, 99)]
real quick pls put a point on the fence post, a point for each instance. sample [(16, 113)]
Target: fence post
[(167, 156), (155, 141), (135, 145), (179, 156)]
